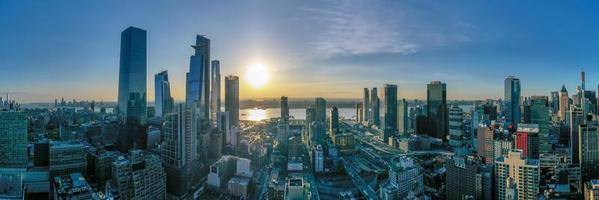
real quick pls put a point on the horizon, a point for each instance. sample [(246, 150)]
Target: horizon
[(471, 47)]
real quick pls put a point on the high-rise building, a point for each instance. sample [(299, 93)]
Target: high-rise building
[(436, 106), (366, 103), (456, 126), (375, 107), (405, 179), (173, 150), (359, 111), (402, 117), (198, 77), (521, 173), (554, 102), (527, 140), (539, 114), (321, 109), (390, 111), (163, 102), (67, 158), (139, 176), (132, 76), (564, 103), (511, 107), (13, 139), (334, 123), (232, 99), (588, 151), (485, 137), (468, 177), (317, 157), (284, 109), (215, 90), (576, 119)]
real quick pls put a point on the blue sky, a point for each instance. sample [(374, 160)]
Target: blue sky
[(70, 49)]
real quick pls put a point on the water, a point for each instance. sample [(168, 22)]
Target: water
[(297, 113)]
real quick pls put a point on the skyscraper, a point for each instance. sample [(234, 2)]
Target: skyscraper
[(13, 139), (198, 77), (139, 176), (516, 170), (163, 102), (539, 114), (511, 107), (173, 150), (402, 117), (436, 98), (215, 90), (390, 111), (588, 137), (554, 102), (375, 107), (232, 99), (284, 109), (334, 124), (564, 103), (366, 103), (456, 126), (527, 140), (321, 110), (132, 75), (576, 119)]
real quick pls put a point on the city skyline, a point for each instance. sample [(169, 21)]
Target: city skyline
[(471, 48)]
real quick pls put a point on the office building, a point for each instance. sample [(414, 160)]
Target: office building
[(215, 90), (554, 103), (294, 189), (456, 126), (13, 139), (576, 119), (527, 140), (375, 107), (198, 78), (485, 137), (405, 178), (223, 125), (517, 177), (366, 105), (564, 103), (321, 109), (226, 168), (402, 117), (539, 114), (436, 106), (588, 151), (511, 106), (174, 148), (317, 157), (163, 102), (389, 111), (139, 176), (232, 99), (66, 158), (132, 76), (359, 111), (73, 186), (284, 109), (468, 177), (334, 122)]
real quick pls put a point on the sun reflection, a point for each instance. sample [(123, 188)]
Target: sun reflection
[(256, 114)]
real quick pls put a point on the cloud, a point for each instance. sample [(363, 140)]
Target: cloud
[(356, 27)]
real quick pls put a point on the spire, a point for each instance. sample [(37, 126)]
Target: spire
[(564, 89)]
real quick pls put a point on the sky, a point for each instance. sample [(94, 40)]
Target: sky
[(333, 48)]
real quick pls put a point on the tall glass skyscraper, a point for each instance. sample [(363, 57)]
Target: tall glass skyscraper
[(163, 102), (132, 75), (13, 139), (375, 107), (390, 111), (232, 99), (198, 77), (215, 90), (539, 114), (511, 107), (321, 109), (436, 106)]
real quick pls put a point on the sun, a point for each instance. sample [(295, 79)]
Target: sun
[(257, 75)]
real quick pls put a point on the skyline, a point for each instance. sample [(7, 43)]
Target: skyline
[(471, 47)]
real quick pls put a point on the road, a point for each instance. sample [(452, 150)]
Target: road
[(364, 188)]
